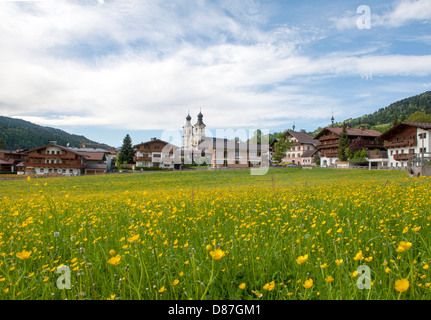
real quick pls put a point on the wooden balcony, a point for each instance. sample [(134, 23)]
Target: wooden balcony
[(55, 165), (69, 156), (328, 144), (401, 144), (143, 159), (329, 137), (403, 156), (373, 154), (330, 154)]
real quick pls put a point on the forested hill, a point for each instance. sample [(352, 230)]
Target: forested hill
[(17, 133), (399, 110)]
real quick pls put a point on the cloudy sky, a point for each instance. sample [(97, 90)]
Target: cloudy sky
[(104, 68)]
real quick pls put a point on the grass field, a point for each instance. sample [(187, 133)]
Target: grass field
[(290, 234)]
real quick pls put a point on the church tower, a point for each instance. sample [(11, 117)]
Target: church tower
[(188, 134), (198, 131)]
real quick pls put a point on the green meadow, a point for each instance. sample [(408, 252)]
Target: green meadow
[(288, 235)]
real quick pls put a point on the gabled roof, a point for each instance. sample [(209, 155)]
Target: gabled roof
[(308, 153), (154, 141), (94, 156), (353, 132), (6, 161), (302, 137), (57, 146), (422, 125)]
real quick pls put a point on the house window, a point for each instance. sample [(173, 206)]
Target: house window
[(237, 153)]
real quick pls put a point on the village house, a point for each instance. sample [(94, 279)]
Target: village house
[(156, 154), (302, 149), (54, 159), (97, 160), (329, 140), (406, 140), (10, 160)]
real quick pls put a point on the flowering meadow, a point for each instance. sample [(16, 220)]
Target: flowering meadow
[(290, 234)]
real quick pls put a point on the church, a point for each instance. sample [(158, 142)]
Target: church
[(193, 135), (217, 152)]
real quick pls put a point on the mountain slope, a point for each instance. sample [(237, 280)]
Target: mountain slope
[(22, 134), (400, 110)]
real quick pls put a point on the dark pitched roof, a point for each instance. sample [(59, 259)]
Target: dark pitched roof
[(94, 156), (308, 153), (57, 146), (302, 137), (422, 125), (351, 132), (154, 141)]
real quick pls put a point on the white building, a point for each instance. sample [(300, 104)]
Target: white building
[(405, 140)]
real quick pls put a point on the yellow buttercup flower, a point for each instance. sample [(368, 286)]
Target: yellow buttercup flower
[(242, 286), (176, 281), (402, 285), (112, 252), (23, 255), (329, 279), (308, 284), (339, 261), (403, 246), (115, 260), (162, 289), (133, 238), (269, 286), (217, 254), (358, 256), (302, 259)]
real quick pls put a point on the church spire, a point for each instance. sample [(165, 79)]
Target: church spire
[(332, 119)]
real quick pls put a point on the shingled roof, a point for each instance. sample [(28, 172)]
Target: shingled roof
[(351, 132), (302, 137), (422, 125)]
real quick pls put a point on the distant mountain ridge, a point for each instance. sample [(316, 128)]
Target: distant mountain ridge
[(18, 133)]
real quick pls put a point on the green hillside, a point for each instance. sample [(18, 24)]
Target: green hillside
[(17, 133), (400, 111)]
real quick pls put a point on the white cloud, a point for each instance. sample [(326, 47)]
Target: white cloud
[(168, 61)]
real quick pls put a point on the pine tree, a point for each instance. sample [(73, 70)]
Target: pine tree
[(343, 144), (126, 153)]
